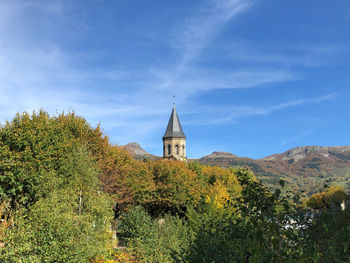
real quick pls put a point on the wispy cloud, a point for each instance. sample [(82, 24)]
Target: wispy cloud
[(39, 69), (300, 54), (226, 115), (195, 33), (293, 103), (305, 131), (297, 137), (40, 73), (190, 38), (204, 26), (308, 60)]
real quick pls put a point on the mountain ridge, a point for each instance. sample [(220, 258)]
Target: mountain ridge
[(306, 168), (138, 152), (303, 150)]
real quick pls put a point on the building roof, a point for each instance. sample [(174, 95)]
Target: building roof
[(174, 129)]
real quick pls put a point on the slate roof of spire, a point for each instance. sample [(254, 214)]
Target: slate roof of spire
[(174, 129)]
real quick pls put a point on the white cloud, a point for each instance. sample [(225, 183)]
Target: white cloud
[(200, 29), (299, 54), (39, 72), (224, 115), (297, 137), (192, 36)]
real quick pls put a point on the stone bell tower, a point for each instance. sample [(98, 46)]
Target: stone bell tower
[(174, 139)]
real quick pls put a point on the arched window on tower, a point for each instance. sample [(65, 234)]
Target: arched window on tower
[(169, 149), (183, 149), (177, 149)]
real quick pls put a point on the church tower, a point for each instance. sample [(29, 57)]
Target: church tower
[(174, 139)]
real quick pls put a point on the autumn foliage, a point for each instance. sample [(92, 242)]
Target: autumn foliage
[(331, 197), (64, 188)]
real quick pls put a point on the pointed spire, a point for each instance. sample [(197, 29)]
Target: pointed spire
[(174, 129)]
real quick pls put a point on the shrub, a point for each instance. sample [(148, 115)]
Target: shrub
[(153, 240)]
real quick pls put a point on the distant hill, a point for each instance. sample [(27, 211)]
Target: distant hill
[(138, 152), (305, 168)]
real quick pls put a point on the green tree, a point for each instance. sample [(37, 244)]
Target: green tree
[(71, 220), (259, 226), (328, 236), (155, 240), (32, 145)]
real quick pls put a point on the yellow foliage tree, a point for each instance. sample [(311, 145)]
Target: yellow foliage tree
[(332, 196)]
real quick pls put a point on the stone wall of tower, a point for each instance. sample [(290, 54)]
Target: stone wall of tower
[(177, 148)]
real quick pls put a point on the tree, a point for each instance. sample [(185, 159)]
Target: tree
[(32, 145), (175, 187), (153, 239), (259, 226), (71, 220), (331, 197)]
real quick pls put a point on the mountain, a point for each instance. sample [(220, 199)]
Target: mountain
[(138, 152), (305, 168)]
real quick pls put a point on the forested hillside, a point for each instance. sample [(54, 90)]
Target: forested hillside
[(305, 169), (65, 190)]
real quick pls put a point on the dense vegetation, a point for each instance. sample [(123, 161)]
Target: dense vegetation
[(64, 189), (304, 169)]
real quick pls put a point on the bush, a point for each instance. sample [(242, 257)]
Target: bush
[(153, 240)]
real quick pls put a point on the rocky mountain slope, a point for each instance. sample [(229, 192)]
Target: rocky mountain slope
[(305, 168), (138, 152)]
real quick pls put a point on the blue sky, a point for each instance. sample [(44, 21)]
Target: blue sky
[(250, 77)]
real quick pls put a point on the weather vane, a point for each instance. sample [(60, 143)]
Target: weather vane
[(174, 99)]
